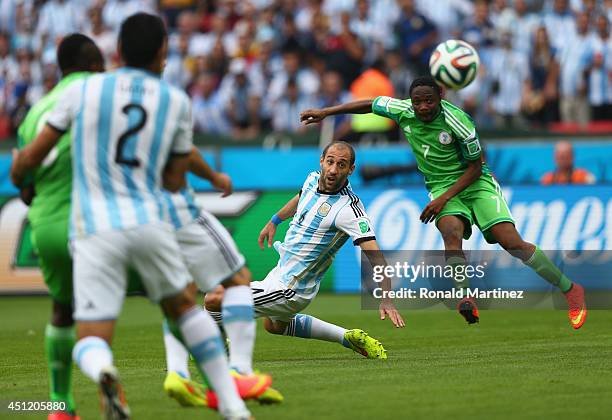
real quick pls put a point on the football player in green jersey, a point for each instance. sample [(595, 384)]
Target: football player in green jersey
[(463, 190), (48, 194)]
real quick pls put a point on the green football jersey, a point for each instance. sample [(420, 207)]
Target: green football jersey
[(53, 179), (442, 147)]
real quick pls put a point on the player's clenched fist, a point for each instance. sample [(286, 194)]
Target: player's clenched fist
[(311, 116)]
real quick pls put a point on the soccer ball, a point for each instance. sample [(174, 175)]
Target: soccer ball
[(454, 64)]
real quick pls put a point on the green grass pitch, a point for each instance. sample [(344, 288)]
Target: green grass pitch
[(514, 364)]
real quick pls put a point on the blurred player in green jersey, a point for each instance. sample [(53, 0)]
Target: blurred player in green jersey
[(48, 194), (463, 190)]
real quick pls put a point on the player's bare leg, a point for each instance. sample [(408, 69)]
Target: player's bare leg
[(508, 237), (452, 229)]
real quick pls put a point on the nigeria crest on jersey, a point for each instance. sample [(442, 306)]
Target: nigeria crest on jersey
[(445, 138)]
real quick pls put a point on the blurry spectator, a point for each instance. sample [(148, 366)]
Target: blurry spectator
[(246, 47), (600, 85), (574, 57), (522, 24), (385, 14), (370, 84), (399, 74), (286, 111), (23, 34), (508, 72), (291, 38), (560, 23), (21, 107), (230, 10), (208, 108), (541, 96), (479, 30), (105, 39), (370, 36), (218, 61), (8, 63), (242, 100), (417, 37), (342, 52), (447, 15), (219, 33), (116, 11), (49, 79), (261, 73), (186, 30), (332, 93), (172, 9), (306, 79), (180, 67), (565, 173), (305, 16), (56, 19)]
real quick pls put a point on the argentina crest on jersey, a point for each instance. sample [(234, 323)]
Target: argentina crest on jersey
[(324, 209)]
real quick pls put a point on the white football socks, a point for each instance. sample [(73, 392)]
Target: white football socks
[(306, 326), (92, 354), (202, 337), (239, 325), (177, 356)]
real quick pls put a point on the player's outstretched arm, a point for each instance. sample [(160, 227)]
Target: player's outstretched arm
[(311, 116), (31, 156), (269, 230), (198, 166), (386, 307), (471, 174)]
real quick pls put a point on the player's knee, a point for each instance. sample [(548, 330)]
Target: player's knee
[(62, 315), (241, 278), (175, 306), (273, 327), (452, 235), (213, 299)]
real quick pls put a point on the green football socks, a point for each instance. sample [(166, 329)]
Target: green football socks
[(457, 262), (542, 265), (59, 342)]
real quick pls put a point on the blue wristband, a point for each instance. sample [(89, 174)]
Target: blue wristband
[(276, 220)]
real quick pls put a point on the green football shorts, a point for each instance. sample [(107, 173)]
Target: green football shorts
[(51, 244), (50, 241), (482, 204)]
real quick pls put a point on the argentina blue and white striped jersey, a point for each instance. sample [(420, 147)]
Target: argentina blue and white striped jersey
[(182, 207), (125, 126), (321, 225)]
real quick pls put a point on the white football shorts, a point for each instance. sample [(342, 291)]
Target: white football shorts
[(209, 251), (101, 262)]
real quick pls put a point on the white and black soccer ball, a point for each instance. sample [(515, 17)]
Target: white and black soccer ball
[(454, 64)]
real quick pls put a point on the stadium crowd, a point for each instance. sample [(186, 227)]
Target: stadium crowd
[(252, 66)]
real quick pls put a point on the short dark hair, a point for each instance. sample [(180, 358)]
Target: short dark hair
[(78, 52), (341, 144), (425, 81), (141, 37)]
